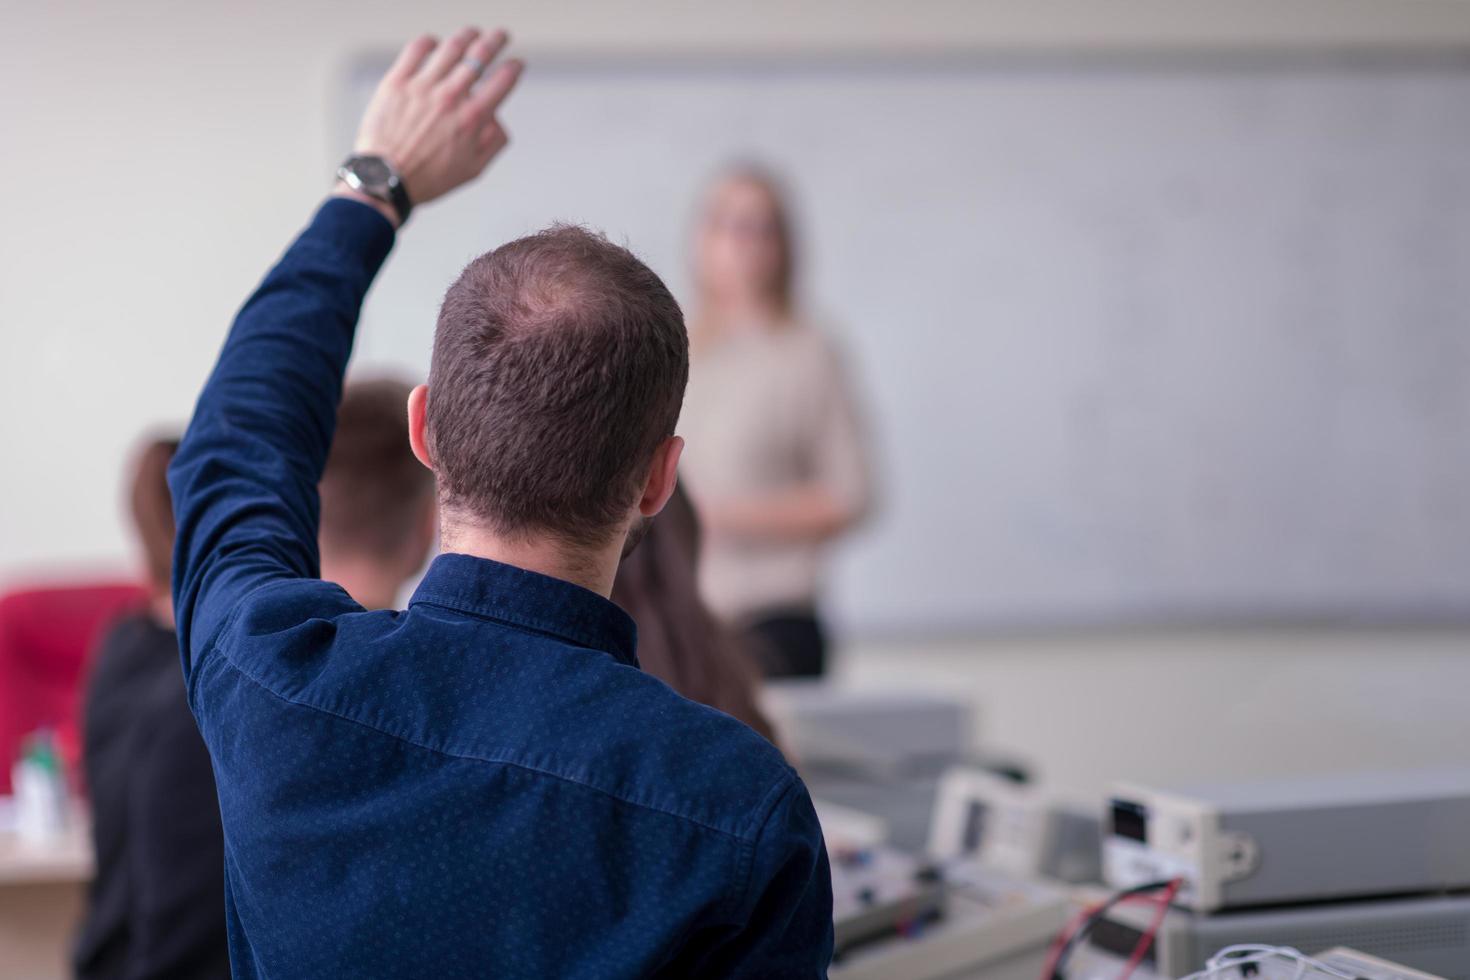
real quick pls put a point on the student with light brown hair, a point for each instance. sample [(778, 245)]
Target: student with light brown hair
[(378, 514)]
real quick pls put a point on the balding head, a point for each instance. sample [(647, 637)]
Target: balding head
[(559, 368)]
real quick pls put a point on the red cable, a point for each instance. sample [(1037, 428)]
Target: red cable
[(1147, 939), (1060, 942), (1160, 899)]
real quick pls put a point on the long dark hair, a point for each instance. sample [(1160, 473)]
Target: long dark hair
[(679, 640)]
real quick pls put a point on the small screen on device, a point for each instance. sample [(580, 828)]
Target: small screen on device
[(1130, 820)]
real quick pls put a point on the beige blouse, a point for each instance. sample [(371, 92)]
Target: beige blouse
[(767, 410)]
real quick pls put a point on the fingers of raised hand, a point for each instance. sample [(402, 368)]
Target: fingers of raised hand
[(482, 102), (433, 116), (475, 62), (410, 59), (445, 57)]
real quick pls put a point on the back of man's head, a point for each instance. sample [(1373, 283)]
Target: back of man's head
[(377, 499), (559, 368)]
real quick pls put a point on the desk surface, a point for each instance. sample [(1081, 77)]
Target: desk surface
[(67, 858)]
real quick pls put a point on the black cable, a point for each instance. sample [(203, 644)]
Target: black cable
[(1095, 915)]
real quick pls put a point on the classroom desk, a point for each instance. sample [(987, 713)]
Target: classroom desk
[(42, 891)]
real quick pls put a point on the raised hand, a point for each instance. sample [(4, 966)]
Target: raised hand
[(433, 116)]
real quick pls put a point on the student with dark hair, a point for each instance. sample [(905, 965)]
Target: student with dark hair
[(484, 784), (679, 640), (156, 907)]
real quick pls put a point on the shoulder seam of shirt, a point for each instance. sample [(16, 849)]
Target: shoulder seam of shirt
[(749, 844), (215, 639), (781, 784)]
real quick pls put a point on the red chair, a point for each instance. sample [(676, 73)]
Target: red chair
[(46, 637)]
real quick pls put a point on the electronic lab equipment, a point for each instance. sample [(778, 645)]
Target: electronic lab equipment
[(899, 916), (1293, 840), (846, 829), (992, 924), (1012, 828), (878, 752), (1430, 934), (868, 731), (1365, 967), (1259, 961), (878, 892)]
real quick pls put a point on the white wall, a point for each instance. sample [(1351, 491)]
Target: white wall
[(156, 155), (1179, 706)]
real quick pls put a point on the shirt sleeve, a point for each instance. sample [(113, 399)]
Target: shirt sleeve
[(244, 480), (786, 919)]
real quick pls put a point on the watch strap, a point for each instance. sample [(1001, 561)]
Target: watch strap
[(391, 193), (398, 197)]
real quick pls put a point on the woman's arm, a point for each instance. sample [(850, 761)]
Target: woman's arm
[(805, 512)]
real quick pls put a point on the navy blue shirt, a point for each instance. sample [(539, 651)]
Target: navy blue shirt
[(482, 785)]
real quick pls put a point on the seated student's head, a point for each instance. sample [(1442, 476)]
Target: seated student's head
[(558, 371), (152, 512), (377, 518)]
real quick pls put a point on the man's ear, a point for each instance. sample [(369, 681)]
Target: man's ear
[(663, 476), (418, 424)]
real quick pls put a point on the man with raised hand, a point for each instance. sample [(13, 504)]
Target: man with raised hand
[(483, 784)]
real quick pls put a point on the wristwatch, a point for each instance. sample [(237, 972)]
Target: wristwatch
[(375, 177)]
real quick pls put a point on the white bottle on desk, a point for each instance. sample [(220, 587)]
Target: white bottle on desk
[(40, 790)]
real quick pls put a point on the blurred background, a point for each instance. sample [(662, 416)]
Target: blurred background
[(1153, 308), (1152, 316)]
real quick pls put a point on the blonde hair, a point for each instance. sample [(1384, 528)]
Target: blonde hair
[(784, 286)]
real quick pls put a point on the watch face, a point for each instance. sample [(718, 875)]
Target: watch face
[(372, 171)]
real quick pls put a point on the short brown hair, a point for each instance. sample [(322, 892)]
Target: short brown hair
[(559, 366), (152, 509), (373, 488)]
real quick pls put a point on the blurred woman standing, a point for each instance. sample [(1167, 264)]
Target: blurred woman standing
[(775, 458)]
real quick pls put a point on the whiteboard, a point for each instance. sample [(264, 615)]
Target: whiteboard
[(1140, 339)]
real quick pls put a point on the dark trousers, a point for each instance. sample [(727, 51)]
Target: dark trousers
[(789, 643)]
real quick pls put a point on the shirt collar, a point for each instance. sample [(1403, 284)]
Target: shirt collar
[(529, 600)]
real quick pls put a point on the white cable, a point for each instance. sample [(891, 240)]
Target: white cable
[(1232, 958)]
